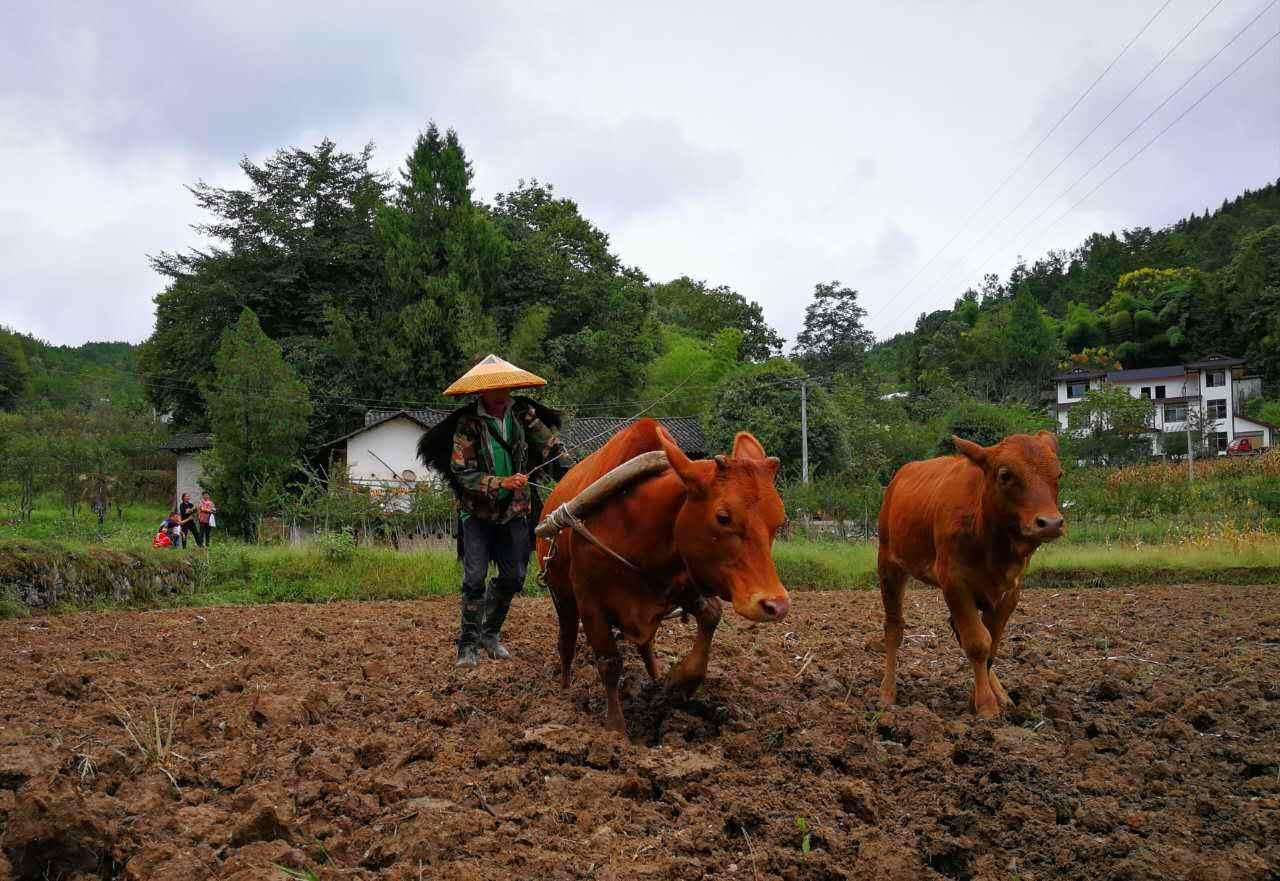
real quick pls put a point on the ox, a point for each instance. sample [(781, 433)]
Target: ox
[(697, 533), (968, 524)]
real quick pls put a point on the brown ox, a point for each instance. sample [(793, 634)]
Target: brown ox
[(699, 532), (968, 524)]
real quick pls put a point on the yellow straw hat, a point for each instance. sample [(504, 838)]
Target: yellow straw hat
[(492, 374)]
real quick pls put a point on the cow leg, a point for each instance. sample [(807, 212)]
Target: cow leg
[(608, 664), (996, 620), (975, 639), (650, 662), (567, 617), (692, 669), (893, 581)]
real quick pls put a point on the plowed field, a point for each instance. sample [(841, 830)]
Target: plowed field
[(340, 741)]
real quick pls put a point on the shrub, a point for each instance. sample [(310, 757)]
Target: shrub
[(337, 547)]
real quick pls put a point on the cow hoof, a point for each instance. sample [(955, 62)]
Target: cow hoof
[(1002, 696)]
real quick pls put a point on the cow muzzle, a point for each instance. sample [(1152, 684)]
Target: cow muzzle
[(1046, 527), (763, 607)]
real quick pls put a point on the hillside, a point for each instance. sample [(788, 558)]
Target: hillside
[(79, 376), (1142, 297)]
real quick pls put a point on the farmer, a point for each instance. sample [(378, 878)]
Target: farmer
[(486, 449)]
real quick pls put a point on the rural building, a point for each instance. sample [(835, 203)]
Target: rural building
[(186, 447), (385, 449), (1218, 386)]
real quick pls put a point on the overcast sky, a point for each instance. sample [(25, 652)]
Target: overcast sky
[(762, 146)]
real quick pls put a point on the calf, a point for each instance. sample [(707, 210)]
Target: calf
[(968, 524)]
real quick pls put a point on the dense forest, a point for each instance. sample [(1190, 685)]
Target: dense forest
[(1139, 298), (328, 288)]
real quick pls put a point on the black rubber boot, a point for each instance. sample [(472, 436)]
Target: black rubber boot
[(497, 602), (469, 633)]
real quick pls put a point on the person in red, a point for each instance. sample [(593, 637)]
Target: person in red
[(204, 518)]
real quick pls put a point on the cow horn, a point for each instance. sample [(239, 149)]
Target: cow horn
[(975, 453), (680, 463)]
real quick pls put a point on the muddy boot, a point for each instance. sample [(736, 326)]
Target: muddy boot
[(469, 633), (497, 602)]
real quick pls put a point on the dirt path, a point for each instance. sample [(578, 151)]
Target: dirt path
[(339, 739)]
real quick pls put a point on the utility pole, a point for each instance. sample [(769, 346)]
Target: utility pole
[(1191, 453), (804, 432)]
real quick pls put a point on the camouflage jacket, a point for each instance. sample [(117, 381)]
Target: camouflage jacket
[(473, 468)]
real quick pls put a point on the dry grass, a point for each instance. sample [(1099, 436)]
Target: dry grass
[(1218, 468)]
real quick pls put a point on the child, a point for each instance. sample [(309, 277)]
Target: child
[(172, 527)]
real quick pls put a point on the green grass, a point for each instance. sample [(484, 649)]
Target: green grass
[(51, 521), (1254, 559), (247, 575)]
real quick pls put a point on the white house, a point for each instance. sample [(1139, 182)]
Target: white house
[(1216, 385), (187, 448), (384, 451)]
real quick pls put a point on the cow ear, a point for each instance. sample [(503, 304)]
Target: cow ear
[(1049, 438), (681, 464), (975, 453), (745, 446)]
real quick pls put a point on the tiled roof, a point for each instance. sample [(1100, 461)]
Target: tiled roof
[(182, 443), (1145, 373), (583, 435)]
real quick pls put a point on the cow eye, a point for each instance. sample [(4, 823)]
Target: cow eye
[(1005, 476), (723, 518)]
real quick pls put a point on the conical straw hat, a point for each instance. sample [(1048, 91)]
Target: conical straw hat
[(492, 374)]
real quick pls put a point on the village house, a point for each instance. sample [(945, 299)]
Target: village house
[(385, 450), (1218, 386), (383, 453)]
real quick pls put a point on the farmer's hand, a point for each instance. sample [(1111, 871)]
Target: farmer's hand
[(515, 481)]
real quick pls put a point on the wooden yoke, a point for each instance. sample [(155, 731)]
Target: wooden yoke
[(604, 488)]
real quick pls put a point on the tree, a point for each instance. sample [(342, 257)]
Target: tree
[(1109, 426), (683, 377), (15, 373), (296, 245), (444, 261), (986, 424), (704, 311), (765, 400), (258, 411), (834, 339)]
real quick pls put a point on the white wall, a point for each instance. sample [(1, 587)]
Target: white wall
[(396, 442), (188, 477)]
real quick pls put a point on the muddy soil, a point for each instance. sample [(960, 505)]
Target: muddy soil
[(339, 740)]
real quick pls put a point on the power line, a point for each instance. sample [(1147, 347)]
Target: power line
[(1017, 168), (1014, 210), (1066, 192), (1157, 135)]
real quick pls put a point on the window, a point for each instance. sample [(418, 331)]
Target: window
[(1076, 389), (1215, 378), (1146, 392), (1159, 393), (1220, 441), (1218, 409), (1175, 413)]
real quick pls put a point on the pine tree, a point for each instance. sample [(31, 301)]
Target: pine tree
[(258, 410)]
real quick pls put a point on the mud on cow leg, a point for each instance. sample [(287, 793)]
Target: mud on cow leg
[(996, 620), (608, 663), (892, 582), (610, 668), (686, 676), (650, 662), (975, 639), (567, 617)]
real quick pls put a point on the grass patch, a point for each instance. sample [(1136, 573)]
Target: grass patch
[(1229, 559)]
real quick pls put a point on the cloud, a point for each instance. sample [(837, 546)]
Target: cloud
[(729, 141)]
